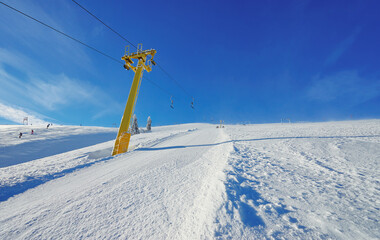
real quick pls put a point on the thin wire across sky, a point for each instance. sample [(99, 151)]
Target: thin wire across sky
[(99, 51), (125, 39)]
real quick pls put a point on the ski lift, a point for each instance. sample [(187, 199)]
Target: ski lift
[(171, 100), (192, 104)]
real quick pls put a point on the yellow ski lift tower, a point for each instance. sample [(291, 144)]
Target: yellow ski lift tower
[(124, 135)]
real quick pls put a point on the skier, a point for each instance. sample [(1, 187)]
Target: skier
[(47, 126), (32, 132), (20, 135)]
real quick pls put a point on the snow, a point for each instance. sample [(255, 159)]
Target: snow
[(47, 142), (193, 181), (304, 181), (15, 178)]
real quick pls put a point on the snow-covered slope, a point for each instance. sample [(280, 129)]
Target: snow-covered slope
[(303, 181), (194, 181), (16, 178), (46, 142)]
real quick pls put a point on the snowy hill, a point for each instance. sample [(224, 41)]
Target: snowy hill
[(46, 142), (192, 181)]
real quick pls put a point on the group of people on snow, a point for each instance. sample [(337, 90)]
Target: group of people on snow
[(32, 132), (20, 134)]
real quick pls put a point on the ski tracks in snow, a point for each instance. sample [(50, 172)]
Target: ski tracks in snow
[(248, 213), (320, 181)]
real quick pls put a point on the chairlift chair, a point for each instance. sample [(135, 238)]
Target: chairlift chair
[(171, 100)]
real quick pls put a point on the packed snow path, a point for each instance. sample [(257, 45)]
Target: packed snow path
[(169, 191)]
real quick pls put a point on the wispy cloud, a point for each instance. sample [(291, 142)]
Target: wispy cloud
[(17, 115), (59, 90), (41, 40), (342, 47), (346, 86), (43, 90), (26, 81)]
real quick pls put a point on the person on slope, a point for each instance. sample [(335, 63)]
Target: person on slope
[(20, 135), (48, 126), (32, 132)]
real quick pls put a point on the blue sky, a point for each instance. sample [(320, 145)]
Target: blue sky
[(243, 61)]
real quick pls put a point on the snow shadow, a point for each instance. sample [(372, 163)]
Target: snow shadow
[(32, 182), (32, 150), (244, 198), (244, 202), (248, 140)]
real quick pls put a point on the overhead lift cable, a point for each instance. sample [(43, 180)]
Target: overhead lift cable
[(104, 23), (78, 41), (64, 34), (125, 39), (158, 86), (173, 79)]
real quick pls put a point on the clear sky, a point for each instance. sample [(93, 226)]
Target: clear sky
[(243, 61)]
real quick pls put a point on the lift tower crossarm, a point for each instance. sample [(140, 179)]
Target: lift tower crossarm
[(124, 134), (140, 56)]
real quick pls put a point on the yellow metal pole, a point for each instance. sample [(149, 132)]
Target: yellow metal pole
[(123, 136)]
